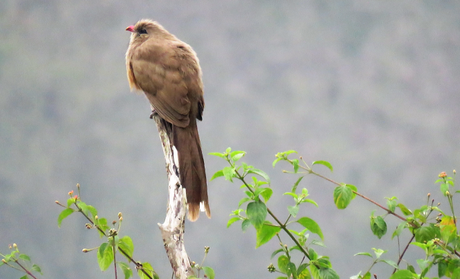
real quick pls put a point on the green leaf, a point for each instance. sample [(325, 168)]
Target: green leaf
[(248, 193), (399, 229), (70, 201), (102, 224), (293, 210), (453, 268), (266, 194), (352, 188), (232, 220), (391, 203), (342, 196), (295, 164), (217, 174), (221, 155), (149, 270), (258, 182), (265, 233), (258, 190), (245, 224), (209, 272), (294, 188), (246, 167), (313, 254), (256, 212), (24, 257), (236, 155), (282, 156), (229, 173), (324, 163), (294, 195), (37, 268), (403, 274), (311, 225), (276, 252), (442, 268), (424, 265), (309, 201), (444, 188), (291, 270), (104, 256), (323, 273), (302, 272), (379, 252), (83, 207), (126, 244), (93, 210), (425, 234), (404, 209), (390, 263), (261, 173), (276, 161), (317, 242), (64, 214), (363, 254), (23, 277), (283, 262), (126, 269), (378, 226), (243, 200)]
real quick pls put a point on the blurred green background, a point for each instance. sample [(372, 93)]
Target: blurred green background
[(372, 87)]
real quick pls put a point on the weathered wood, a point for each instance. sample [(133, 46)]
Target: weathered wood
[(172, 230)]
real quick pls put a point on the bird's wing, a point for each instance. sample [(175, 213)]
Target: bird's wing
[(167, 73)]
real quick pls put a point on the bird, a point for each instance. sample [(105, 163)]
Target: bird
[(167, 70)]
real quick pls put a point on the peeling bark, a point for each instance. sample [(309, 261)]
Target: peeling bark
[(172, 230)]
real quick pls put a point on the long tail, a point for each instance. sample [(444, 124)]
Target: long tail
[(191, 167)]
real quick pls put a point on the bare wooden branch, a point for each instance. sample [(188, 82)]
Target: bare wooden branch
[(172, 230)]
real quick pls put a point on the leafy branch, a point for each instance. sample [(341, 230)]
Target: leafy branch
[(107, 250), (437, 236), (19, 261)]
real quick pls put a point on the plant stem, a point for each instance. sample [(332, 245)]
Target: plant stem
[(25, 269), (138, 265), (451, 203), (362, 196), (114, 257), (404, 251), (282, 226)]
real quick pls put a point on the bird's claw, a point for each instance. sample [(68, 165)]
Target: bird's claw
[(153, 113)]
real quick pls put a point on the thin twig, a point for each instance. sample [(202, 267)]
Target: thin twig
[(138, 265), (25, 269), (281, 225), (114, 257)]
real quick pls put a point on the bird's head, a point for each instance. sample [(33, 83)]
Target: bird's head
[(145, 29)]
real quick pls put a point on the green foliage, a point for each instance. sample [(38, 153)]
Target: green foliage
[(378, 226), (105, 256), (106, 252), (257, 196), (20, 262), (343, 195), (296, 258), (208, 271), (439, 239)]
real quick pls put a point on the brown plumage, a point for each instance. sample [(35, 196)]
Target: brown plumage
[(168, 72)]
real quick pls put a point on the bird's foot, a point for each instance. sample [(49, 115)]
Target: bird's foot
[(153, 113)]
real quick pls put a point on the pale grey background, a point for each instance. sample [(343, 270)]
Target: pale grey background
[(370, 86)]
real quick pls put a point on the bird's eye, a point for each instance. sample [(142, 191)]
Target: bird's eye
[(142, 31)]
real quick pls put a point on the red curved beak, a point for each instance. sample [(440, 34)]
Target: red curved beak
[(130, 28)]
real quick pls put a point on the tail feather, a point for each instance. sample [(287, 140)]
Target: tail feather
[(192, 170)]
